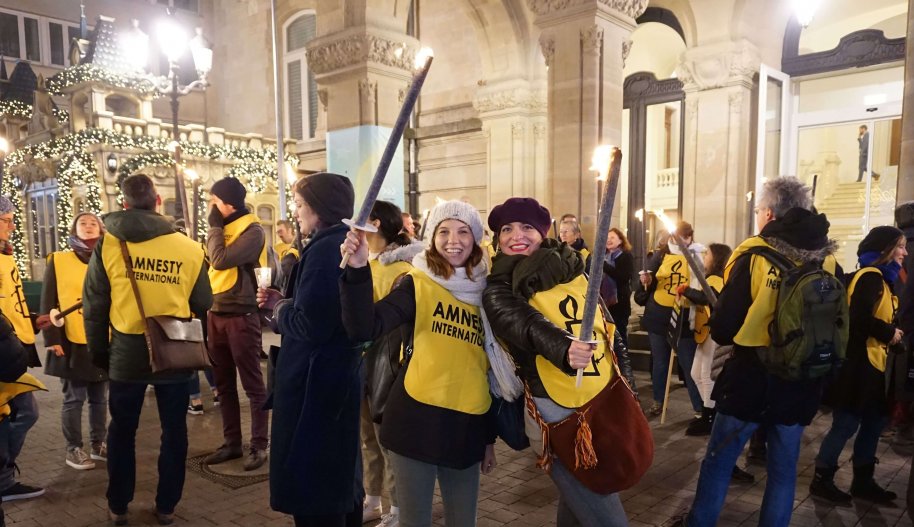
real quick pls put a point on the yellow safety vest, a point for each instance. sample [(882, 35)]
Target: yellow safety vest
[(563, 305), (383, 276), (673, 272), (877, 351), (703, 313), (282, 248), (9, 390), (166, 269), (448, 367), (70, 273), (12, 303), (766, 279), (585, 252), (223, 280)]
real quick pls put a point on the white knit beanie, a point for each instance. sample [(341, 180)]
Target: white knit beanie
[(6, 206), (453, 210)]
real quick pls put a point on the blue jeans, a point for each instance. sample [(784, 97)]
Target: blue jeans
[(416, 490), (844, 425), (12, 436), (194, 385), (728, 436), (660, 358), (125, 400)]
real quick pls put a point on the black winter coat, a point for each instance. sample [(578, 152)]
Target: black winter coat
[(860, 387), (622, 274), (315, 464), (656, 318)]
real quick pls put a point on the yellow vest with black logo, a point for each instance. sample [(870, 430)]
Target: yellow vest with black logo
[(223, 280), (884, 310), (9, 390), (703, 313), (766, 279), (70, 273), (12, 303), (563, 305), (673, 272), (282, 248), (166, 268), (383, 276), (448, 367)]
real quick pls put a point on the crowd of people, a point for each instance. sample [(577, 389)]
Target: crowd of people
[(400, 370)]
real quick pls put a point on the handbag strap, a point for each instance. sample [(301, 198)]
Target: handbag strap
[(128, 263)]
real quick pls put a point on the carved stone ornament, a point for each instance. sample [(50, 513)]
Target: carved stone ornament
[(322, 97), (592, 38), (368, 89), (630, 8), (357, 49), (521, 98), (626, 49), (855, 50), (712, 67), (539, 131), (517, 129), (644, 85), (547, 45)]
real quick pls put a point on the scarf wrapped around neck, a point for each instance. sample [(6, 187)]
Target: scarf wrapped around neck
[(502, 380), (890, 270), (552, 264)]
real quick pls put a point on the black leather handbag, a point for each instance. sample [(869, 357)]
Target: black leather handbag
[(383, 363)]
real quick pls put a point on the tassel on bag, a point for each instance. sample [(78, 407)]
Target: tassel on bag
[(584, 455), (544, 460)]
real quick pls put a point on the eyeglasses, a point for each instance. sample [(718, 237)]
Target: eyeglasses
[(7, 221)]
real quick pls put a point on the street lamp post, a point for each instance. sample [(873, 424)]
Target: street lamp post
[(173, 42)]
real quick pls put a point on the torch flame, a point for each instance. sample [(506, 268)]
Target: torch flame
[(749, 195), (599, 162), (191, 174), (423, 56), (639, 214), (439, 201), (668, 223)]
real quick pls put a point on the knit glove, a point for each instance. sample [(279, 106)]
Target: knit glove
[(215, 218)]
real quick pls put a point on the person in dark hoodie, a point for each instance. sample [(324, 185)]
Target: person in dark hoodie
[(391, 251), (171, 278), (235, 245), (747, 396), (315, 467), (68, 357)]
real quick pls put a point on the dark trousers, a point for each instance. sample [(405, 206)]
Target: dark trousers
[(125, 400), (235, 345), (353, 519)]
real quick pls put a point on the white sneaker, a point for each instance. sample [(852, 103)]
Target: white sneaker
[(370, 513), (390, 520), (78, 459)]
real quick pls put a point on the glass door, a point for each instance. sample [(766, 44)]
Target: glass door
[(773, 122), (853, 167)]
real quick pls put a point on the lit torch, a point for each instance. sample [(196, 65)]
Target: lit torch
[(423, 63), (697, 270), (607, 160)]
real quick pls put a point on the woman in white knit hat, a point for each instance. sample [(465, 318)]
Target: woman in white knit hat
[(435, 421)]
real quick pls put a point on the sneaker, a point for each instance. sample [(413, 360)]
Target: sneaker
[(78, 459), (741, 476), (99, 452), (195, 409), (162, 518), (118, 519), (21, 491), (370, 513), (389, 520), (655, 409), (223, 454), (255, 459), (215, 400)]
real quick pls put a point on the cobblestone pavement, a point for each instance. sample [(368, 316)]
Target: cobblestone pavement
[(516, 494)]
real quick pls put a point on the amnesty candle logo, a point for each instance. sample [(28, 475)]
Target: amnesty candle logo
[(157, 270), (569, 309), (458, 323)]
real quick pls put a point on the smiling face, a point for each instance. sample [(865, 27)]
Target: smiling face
[(612, 241), (568, 232), (87, 228), (519, 238), (454, 241), (900, 251)]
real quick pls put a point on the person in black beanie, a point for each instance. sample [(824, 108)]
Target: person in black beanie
[(315, 465), (236, 244)]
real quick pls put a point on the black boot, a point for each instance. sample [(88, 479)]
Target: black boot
[(823, 486), (865, 487), (741, 476), (702, 425)]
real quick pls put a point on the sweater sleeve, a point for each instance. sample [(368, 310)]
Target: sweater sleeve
[(733, 303), (367, 320), (867, 294), (53, 336), (245, 250), (525, 330)]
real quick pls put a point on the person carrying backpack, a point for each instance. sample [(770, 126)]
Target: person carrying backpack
[(858, 395), (771, 381)]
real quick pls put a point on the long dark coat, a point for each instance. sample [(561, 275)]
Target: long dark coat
[(315, 466)]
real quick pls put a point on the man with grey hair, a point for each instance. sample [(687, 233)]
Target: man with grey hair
[(748, 397)]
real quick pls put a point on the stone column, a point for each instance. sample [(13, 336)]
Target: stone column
[(906, 170), (582, 41), (362, 72), (513, 116), (717, 174)]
